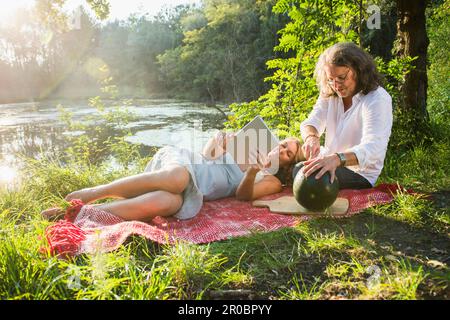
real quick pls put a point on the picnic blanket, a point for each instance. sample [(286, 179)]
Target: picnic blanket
[(87, 229)]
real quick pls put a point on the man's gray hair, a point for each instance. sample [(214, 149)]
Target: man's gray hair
[(348, 54)]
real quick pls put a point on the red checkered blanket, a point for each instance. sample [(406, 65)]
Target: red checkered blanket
[(94, 230)]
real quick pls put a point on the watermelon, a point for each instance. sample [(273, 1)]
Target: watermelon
[(315, 194)]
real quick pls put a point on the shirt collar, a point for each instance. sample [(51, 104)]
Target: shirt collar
[(357, 96)]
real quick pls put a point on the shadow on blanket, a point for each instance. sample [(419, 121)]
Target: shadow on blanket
[(91, 230)]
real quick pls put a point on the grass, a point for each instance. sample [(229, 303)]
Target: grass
[(395, 251)]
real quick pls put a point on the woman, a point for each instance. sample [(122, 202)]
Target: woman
[(355, 113), (177, 181)]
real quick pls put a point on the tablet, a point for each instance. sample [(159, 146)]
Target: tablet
[(254, 137)]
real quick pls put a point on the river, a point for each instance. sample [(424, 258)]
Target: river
[(35, 128)]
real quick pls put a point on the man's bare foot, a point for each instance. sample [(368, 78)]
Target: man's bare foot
[(53, 214), (85, 195)]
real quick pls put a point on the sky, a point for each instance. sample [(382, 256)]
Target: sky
[(119, 9)]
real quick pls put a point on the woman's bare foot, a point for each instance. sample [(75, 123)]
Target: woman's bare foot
[(53, 213), (85, 195)]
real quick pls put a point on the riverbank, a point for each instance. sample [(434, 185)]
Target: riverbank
[(395, 251), (125, 93)]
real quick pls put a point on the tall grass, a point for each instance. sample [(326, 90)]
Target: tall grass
[(319, 259)]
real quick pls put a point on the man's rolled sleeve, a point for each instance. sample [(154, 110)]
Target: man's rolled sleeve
[(317, 118)]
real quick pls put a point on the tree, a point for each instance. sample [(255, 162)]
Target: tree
[(224, 50), (413, 42)]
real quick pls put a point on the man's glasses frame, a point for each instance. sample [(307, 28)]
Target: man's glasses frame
[(339, 79)]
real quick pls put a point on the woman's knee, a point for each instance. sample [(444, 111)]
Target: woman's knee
[(167, 203), (178, 177)]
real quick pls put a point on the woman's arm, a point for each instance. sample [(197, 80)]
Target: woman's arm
[(249, 190), (211, 149), (217, 145)]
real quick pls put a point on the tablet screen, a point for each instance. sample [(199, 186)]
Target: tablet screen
[(254, 137)]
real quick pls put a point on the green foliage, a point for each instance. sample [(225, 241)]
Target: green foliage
[(50, 13), (438, 27), (223, 53), (293, 90), (47, 52), (411, 130), (101, 8), (130, 48), (394, 72), (408, 128)]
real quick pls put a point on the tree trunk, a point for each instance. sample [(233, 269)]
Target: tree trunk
[(413, 41)]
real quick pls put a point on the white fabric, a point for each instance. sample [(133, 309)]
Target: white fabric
[(259, 176), (364, 129)]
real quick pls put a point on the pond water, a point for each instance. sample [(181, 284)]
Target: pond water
[(35, 128)]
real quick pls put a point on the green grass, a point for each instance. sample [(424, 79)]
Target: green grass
[(395, 251)]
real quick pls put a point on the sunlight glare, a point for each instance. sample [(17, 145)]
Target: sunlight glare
[(7, 174), (9, 8)]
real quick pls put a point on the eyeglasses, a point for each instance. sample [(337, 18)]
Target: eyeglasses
[(338, 80)]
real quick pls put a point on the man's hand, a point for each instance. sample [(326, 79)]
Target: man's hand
[(324, 164), (311, 147)]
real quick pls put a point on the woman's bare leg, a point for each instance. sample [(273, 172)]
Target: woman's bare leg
[(146, 206), (174, 180), (53, 213)]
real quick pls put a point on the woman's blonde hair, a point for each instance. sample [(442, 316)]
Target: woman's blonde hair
[(299, 155), (348, 54), (285, 174)]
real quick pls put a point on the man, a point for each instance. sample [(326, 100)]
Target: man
[(354, 112)]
